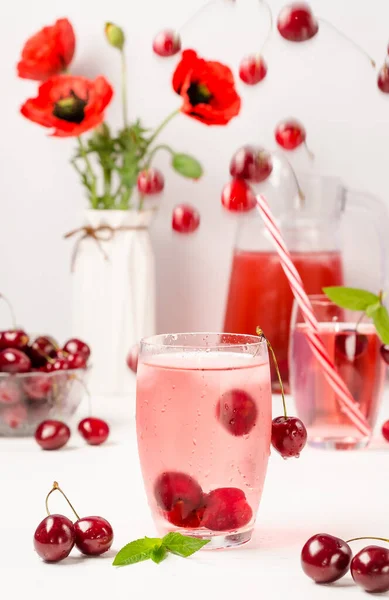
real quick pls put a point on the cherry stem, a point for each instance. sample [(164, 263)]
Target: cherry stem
[(293, 173), (55, 488), (309, 151), (380, 539), (350, 40), (11, 310), (260, 333), (269, 33)]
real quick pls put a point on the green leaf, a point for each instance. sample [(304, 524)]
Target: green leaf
[(182, 545), (158, 554), (381, 321), (187, 166), (370, 310), (136, 551), (351, 298)]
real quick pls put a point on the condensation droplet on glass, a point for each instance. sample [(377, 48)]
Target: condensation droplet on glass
[(194, 442)]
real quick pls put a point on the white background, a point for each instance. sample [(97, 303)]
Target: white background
[(324, 83)]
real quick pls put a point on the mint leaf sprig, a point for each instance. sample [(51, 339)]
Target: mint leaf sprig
[(366, 302), (157, 549)]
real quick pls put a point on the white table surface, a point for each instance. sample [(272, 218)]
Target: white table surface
[(343, 493)]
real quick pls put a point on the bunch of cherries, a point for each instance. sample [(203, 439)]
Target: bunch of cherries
[(325, 559), (20, 355), (56, 535)]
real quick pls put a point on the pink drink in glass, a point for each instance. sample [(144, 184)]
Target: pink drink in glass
[(260, 294), (204, 428), (358, 361)]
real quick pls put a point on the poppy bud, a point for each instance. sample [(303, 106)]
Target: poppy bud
[(114, 35)]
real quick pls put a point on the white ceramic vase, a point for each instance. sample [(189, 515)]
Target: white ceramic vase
[(113, 296)]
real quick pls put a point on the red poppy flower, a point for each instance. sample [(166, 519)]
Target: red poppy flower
[(48, 52), (69, 105), (207, 88)]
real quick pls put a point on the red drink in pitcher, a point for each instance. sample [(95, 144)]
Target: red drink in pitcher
[(260, 294)]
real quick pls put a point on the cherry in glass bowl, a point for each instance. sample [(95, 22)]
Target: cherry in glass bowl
[(27, 399)]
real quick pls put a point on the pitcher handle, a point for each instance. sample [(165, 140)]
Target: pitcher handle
[(379, 216)]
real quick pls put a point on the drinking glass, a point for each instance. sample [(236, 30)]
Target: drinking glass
[(354, 347), (204, 427)]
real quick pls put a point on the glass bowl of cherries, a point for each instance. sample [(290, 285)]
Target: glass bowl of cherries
[(39, 380)]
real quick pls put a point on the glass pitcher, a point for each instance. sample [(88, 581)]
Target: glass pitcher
[(336, 237)]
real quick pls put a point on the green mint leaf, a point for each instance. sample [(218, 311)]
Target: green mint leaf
[(187, 166), (158, 554), (381, 321), (351, 298), (370, 310), (136, 551), (182, 545)]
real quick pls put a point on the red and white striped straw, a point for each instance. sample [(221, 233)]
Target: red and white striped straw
[(343, 395)]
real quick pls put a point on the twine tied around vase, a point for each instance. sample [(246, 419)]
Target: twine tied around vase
[(102, 233)]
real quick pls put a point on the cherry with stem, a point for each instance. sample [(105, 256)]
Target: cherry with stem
[(296, 23), (370, 567), (92, 535), (289, 434)]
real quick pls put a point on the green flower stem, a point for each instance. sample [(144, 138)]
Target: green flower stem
[(92, 176), (163, 125), (124, 88), (155, 150)]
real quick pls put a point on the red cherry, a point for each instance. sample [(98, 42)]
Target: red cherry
[(252, 69), (185, 219), (385, 430), (150, 181), (13, 338), (132, 358), (226, 509), (40, 350), (350, 344), (10, 392), (237, 196), (94, 431), (167, 43), (174, 487), (383, 78), (15, 416), (37, 387), (252, 163), (237, 412), (370, 569), (54, 538), (290, 134), (296, 23), (288, 436), (14, 361), (325, 558), (76, 361), (179, 516), (76, 346), (52, 435), (93, 535)]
